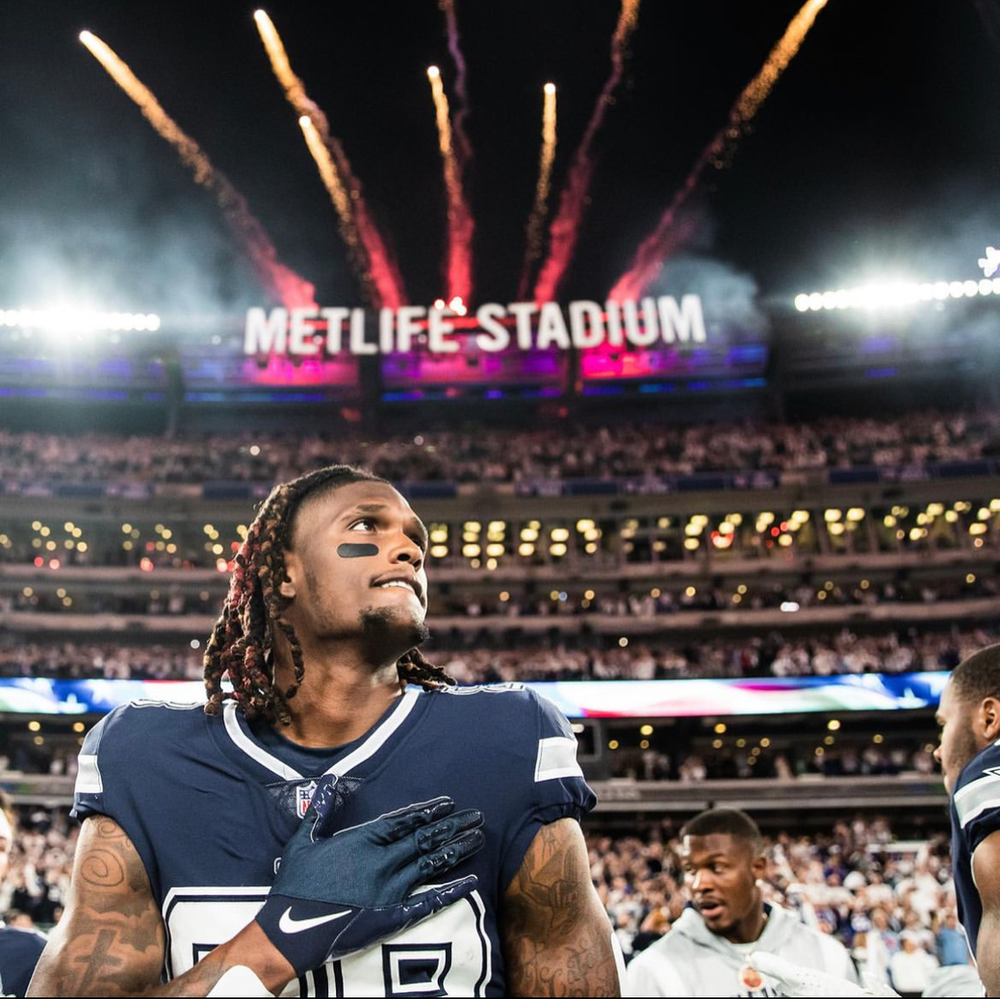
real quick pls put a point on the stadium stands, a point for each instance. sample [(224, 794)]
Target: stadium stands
[(851, 547)]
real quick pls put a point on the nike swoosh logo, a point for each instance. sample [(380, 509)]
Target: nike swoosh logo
[(289, 925)]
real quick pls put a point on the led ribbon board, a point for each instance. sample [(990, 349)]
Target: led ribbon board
[(576, 698)]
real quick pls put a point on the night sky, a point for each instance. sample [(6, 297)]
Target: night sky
[(875, 155)]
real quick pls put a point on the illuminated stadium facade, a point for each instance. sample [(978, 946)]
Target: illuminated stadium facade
[(684, 352)]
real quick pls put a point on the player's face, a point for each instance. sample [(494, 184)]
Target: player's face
[(356, 565), (720, 877), (957, 743)]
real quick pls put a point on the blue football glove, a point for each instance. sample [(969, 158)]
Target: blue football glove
[(339, 892)]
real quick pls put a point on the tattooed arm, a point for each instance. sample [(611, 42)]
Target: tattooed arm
[(110, 940), (556, 934)]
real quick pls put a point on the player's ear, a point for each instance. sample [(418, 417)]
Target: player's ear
[(293, 572), (988, 717)]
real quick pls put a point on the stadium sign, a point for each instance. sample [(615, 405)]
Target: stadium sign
[(315, 331)]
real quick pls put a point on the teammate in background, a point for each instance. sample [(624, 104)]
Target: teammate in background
[(969, 717), (705, 953), (187, 811), (19, 949)]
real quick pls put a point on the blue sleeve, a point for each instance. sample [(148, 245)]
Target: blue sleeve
[(19, 953), (114, 762), (557, 788), (982, 826), (977, 799), (88, 793)]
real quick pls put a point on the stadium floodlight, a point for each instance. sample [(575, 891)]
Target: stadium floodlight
[(62, 319), (894, 294), (991, 262)]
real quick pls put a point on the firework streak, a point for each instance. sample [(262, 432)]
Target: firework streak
[(463, 148), (565, 229), (375, 266), (666, 238), (460, 223), (280, 281), (533, 232)]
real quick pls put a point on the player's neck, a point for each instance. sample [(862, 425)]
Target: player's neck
[(338, 700), (749, 929)]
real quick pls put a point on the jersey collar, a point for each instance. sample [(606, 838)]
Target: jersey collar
[(361, 750)]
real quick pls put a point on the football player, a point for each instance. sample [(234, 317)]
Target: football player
[(343, 820), (969, 717)]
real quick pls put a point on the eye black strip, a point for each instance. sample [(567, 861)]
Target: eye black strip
[(356, 551)]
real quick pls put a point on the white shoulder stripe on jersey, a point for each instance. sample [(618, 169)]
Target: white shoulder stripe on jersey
[(258, 753), (556, 758), (379, 736), (367, 749), (88, 775), (980, 807), (988, 777), (976, 797)]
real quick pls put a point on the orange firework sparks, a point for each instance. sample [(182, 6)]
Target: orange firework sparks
[(781, 55), (331, 179), (565, 229), (282, 282), (533, 232), (368, 250), (313, 123), (663, 241), (275, 48), (460, 224)]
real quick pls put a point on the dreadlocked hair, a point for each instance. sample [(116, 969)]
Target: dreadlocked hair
[(242, 642)]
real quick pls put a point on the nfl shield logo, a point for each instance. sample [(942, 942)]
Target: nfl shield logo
[(303, 795)]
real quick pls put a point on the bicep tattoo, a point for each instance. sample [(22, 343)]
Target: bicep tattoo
[(111, 939), (557, 937)]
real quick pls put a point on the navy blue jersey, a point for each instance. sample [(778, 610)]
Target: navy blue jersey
[(19, 953), (210, 803), (975, 813)]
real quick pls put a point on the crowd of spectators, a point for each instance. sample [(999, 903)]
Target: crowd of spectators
[(881, 897), (821, 653), (575, 601), (148, 603), (37, 883), (851, 757), (500, 455), (682, 595), (771, 654), (71, 660)]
